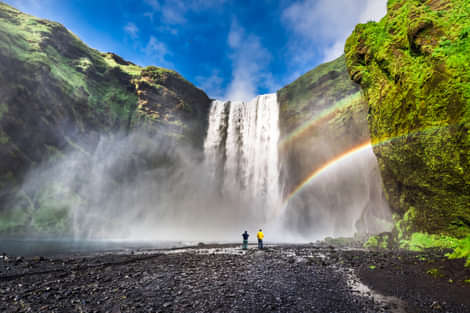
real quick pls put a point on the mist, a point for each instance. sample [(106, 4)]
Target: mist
[(143, 187), (344, 199), (138, 187)]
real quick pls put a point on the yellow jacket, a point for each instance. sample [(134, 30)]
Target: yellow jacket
[(260, 235)]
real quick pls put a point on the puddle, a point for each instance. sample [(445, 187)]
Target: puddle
[(392, 304)]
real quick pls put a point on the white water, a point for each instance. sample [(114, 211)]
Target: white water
[(244, 136), (241, 154)]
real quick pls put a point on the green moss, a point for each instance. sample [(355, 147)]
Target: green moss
[(434, 272), (11, 220), (372, 242), (462, 250), (421, 241), (3, 109), (131, 69), (413, 68), (377, 242), (3, 138), (81, 72), (157, 74), (58, 85), (52, 209), (326, 83), (404, 226)]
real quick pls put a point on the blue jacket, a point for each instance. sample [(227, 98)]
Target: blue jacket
[(245, 236)]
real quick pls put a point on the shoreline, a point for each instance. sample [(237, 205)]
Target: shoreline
[(222, 277)]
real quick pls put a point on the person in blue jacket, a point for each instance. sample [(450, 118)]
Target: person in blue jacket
[(245, 236)]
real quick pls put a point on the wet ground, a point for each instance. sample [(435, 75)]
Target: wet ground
[(227, 279)]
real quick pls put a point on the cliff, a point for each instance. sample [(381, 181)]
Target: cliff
[(413, 68), (57, 95), (322, 116)]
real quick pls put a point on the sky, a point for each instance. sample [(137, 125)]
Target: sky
[(232, 49)]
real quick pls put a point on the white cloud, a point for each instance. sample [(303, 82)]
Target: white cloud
[(174, 11), (158, 51), (374, 11), (211, 84), (26, 5), (154, 4), (235, 35), (132, 30), (328, 23), (249, 64)]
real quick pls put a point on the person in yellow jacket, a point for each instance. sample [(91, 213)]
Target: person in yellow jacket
[(260, 236)]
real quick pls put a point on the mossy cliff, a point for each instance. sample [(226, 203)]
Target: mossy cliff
[(57, 94), (413, 66), (322, 115), (321, 106)]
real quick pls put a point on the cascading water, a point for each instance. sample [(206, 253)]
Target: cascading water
[(242, 156), (242, 147)]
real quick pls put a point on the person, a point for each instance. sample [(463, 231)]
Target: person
[(260, 239), (245, 236)]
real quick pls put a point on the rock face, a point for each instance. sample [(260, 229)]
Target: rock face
[(322, 106), (413, 67), (57, 94), (323, 115)]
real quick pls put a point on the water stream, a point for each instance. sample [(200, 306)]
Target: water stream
[(241, 148)]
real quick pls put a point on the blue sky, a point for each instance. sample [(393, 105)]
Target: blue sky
[(232, 49)]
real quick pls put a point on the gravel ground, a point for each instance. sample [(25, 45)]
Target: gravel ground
[(216, 279)]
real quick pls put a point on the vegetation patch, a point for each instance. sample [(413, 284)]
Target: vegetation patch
[(461, 250), (12, 220), (3, 109), (413, 68), (422, 241), (378, 242), (434, 272)]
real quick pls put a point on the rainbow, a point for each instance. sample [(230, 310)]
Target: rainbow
[(356, 150)]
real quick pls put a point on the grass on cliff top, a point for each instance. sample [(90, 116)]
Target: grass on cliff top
[(82, 72), (160, 76), (309, 87), (131, 69)]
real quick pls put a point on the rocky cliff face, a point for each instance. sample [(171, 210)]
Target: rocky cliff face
[(413, 67), (322, 107), (57, 94), (323, 115)]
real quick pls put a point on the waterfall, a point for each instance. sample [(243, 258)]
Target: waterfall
[(241, 148)]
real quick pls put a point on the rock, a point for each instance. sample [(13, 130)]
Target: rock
[(419, 108), (436, 306), (100, 94), (19, 260)]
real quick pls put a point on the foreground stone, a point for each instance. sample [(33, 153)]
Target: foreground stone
[(222, 279)]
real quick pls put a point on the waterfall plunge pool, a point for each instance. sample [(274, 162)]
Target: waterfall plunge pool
[(29, 247)]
